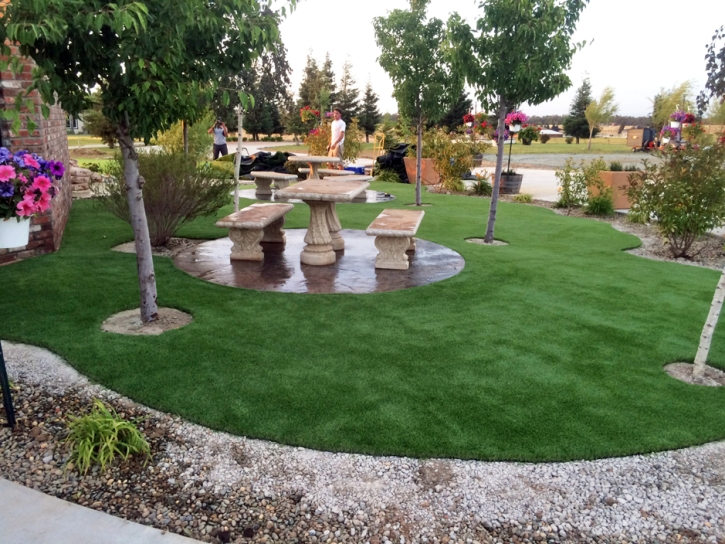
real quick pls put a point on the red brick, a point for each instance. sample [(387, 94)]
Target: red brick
[(6, 259)]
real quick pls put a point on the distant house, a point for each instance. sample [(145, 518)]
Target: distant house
[(551, 133), (74, 124)]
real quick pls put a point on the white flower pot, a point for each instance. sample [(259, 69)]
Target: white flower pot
[(675, 124), (665, 140), (515, 127), (14, 232)]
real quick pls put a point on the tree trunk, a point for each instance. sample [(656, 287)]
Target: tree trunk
[(367, 138), (185, 132), (709, 329), (591, 134), (144, 259), (577, 140), (419, 161), (488, 239)]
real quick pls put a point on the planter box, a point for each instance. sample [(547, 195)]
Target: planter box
[(428, 175), (616, 180), (510, 185)]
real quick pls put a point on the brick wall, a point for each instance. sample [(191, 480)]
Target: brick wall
[(48, 140)]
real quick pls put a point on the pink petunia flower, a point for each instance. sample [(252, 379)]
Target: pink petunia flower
[(30, 161), (22, 178), (42, 183), (7, 172), (26, 208)]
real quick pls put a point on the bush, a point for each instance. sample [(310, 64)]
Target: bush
[(543, 138), (482, 187), (92, 166), (523, 198), (569, 139), (600, 205), (452, 155), (176, 191), (631, 168), (319, 138), (572, 186), (615, 166), (390, 176), (101, 436), (685, 194), (528, 134), (200, 141)]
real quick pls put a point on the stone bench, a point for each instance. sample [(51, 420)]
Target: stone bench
[(263, 181), (252, 225), (328, 172), (394, 232)]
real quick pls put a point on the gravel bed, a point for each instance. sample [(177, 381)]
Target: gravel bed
[(221, 488)]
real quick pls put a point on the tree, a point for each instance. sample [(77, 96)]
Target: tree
[(519, 53), (600, 111), (151, 60), (369, 114), (424, 84), (97, 125), (666, 102), (576, 124), (716, 113), (453, 118), (348, 97), (715, 84), (327, 83), (309, 92)]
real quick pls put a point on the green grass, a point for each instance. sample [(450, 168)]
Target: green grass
[(83, 139), (550, 348), (83, 162), (553, 147)]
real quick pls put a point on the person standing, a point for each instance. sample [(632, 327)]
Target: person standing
[(337, 139), (220, 132)]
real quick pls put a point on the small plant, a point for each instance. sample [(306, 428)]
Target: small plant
[(631, 168), (569, 139), (482, 187), (615, 166), (389, 176), (543, 138), (92, 166), (523, 198), (572, 186), (528, 134), (102, 436), (600, 204)]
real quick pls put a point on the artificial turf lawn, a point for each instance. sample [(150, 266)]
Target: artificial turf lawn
[(550, 348)]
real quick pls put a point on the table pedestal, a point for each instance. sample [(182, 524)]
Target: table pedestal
[(333, 224), (263, 186), (318, 251)]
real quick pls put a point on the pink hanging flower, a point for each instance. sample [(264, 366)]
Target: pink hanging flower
[(42, 183), (26, 208), (22, 178), (30, 161), (7, 172)]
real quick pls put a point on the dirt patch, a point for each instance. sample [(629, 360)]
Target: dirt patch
[(91, 152), (481, 242), (171, 249), (683, 372), (129, 322), (434, 475)]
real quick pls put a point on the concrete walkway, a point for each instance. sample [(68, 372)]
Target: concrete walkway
[(28, 516)]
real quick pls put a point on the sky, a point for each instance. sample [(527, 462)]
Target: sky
[(635, 46)]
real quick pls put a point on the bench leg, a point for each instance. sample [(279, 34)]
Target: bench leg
[(392, 252), (274, 233), (263, 187), (246, 244), (411, 247), (281, 184)]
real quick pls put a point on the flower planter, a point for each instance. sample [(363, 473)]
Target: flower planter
[(510, 184), (618, 181), (428, 174), (14, 233), (477, 160), (675, 124)]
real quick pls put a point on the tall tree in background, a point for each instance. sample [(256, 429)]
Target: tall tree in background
[(369, 114), (327, 82), (600, 111), (96, 123), (715, 84), (520, 52), (309, 92), (576, 124), (453, 118), (348, 97), (151, 61), (424, 84)]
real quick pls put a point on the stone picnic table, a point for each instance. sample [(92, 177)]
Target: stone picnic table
[(323, 235), (314, 161), (263, 181)]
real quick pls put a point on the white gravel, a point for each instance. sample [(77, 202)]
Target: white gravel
[(648, 498)]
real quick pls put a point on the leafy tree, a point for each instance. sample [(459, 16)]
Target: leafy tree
[(576, 124), (715, 84), (599, 112), (716, 113), (151, 60), (520, 52), (369, 114), (97, 125), (666, 102), (453, 118), (309, 92), (327, 83), (424, 84), (348, 97)]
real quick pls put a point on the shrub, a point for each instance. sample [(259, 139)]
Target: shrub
[(543, 138), (572, 186), (200, 141), (101, 436), (631, 168), (523, 198), (482, 187), (685, 194), (569, 139), (390, 176), (92, 166), (600, 204), (452, 155), (176, 191), (319, 138), (615, 166)]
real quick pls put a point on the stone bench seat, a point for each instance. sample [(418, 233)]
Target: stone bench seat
[(328, 172), (252, 225), (263, 181), (394, 232)]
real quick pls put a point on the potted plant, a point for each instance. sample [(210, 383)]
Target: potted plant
[(677, 118), (667, 133), (528, 134), (468, 120), (26, 189)]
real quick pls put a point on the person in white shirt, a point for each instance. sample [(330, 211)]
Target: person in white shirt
[(337, 140)]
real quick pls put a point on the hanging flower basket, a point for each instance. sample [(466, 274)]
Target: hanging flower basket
[(14, 232)]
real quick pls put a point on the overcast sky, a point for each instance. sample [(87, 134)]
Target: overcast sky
[(639, 46)]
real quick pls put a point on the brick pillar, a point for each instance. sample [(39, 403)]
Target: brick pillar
[(48, 140)]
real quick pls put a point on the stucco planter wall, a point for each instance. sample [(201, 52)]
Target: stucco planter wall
[(428, 175), (618, 181)]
